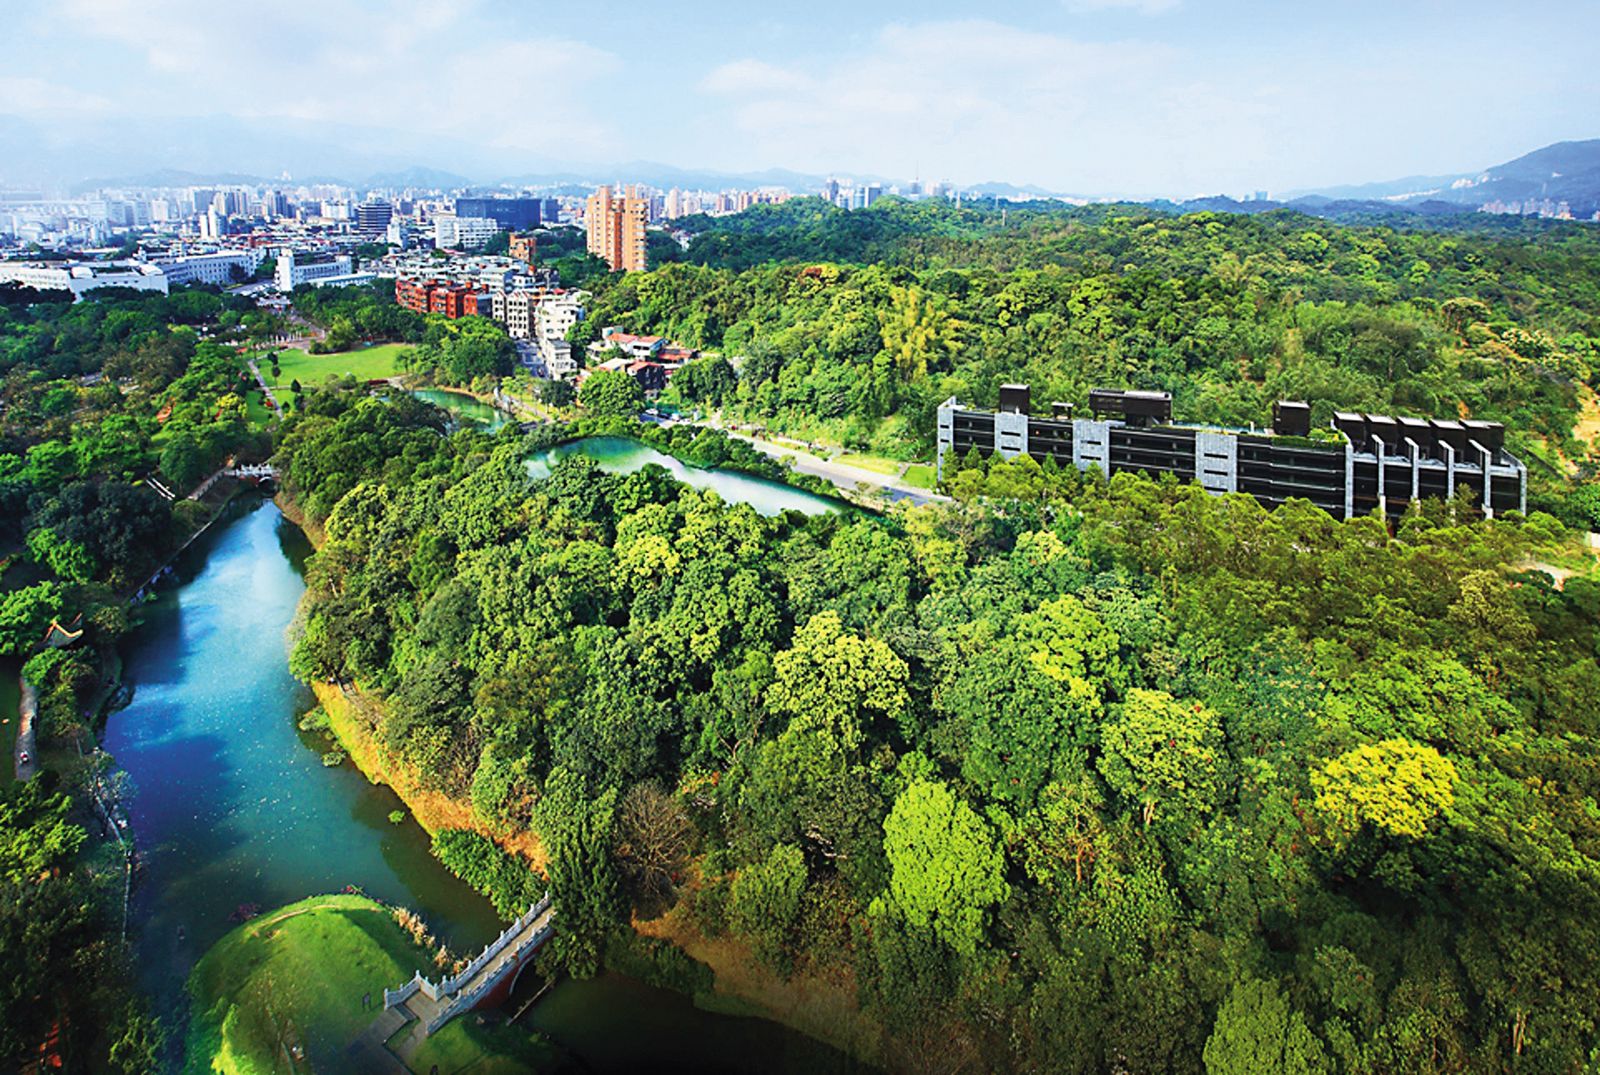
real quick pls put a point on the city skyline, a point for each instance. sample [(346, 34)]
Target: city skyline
[(1134, 98)]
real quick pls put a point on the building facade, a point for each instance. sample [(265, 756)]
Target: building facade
[(1364, 462), (512, 214), (294, 271), (616, 228), (82, 277), (456, 232), (372, 219), (216, 268), (524, 248), (442, 297)]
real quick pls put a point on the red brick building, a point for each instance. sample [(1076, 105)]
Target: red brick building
[(438, 297)]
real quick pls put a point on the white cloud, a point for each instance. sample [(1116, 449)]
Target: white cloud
[(1005, 101), (448, 67), (28, 96)]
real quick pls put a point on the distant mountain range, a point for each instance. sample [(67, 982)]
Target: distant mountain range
[(1564, 172), (88, 154)]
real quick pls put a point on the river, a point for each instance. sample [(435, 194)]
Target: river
[(624, 455), (232, 806)]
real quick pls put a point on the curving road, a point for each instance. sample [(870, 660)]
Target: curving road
[(841, 475)]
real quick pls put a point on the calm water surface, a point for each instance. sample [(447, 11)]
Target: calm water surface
[(624, 455), (465, 407), (232, 804)]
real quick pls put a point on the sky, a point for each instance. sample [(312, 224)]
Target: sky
[(1133, 98)]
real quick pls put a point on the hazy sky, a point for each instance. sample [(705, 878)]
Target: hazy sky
[(1130, 97)]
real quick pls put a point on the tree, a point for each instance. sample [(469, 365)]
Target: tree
[(138, 1042), (611, 394), (183, 460), (557, 393), (1072, 645), (835, 682), (765, 901), (67, 559), (1257, 1031), (577, 828), (653, 838), (945, 870), (1158, 751), (1396, 786), (24, 615), (1013, 727)]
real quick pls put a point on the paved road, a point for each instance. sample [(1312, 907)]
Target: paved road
[(840, 474), (27, 738)]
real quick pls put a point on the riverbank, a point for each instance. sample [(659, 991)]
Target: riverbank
[(353, 718), (823, 1007), (819, 1007)]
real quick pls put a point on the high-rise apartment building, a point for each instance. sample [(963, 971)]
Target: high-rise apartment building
[(616, 228)]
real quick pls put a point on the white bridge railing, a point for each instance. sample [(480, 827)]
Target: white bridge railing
[(452, 986), (252, 470)]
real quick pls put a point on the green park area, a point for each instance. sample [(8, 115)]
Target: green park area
[(284, 992), (363, 363)]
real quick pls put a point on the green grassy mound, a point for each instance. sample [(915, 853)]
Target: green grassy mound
[(283, 993)]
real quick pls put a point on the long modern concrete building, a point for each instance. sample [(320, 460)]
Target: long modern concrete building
[(1362, 462)]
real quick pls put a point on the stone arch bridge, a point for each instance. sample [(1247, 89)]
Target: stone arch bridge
[(486, 982)]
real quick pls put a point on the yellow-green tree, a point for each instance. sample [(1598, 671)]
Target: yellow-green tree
[(1396, 786)]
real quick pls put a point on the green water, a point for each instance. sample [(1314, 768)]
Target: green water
[(232, 805), (10, 699), (624, 455), (465, 407), (617, 1025)]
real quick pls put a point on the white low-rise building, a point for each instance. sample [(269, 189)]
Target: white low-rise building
[(293, 273), (215, 268), (451, 232), (82, 276)]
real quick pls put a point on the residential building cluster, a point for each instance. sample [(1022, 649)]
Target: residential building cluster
[(1547, 208), (676, 203), (649, 360)]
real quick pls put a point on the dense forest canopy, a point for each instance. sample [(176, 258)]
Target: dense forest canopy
[(1144, 779)]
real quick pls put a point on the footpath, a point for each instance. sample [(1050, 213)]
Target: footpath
[(842, 475), (27, 734)]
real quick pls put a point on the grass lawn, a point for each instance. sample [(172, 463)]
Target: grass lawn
[(296, 976), (919, 475), (875, 463), (257, 411), (365, 364)]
